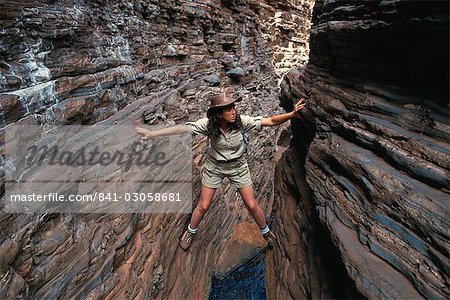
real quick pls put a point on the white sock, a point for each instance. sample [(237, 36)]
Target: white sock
[(265, 230), (192, 230)]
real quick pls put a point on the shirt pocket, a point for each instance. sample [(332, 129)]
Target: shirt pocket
[(237, 140), (220, 143)]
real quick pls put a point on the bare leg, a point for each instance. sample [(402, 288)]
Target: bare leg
[(206, 196), (253, 207)]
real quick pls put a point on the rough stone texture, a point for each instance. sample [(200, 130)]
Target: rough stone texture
[(377, 165), (245, 242), (128, 62), (68, 62), (303, 265)]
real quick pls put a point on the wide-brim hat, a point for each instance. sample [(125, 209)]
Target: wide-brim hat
[(221, 100)]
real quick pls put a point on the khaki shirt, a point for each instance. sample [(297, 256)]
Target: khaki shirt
[(229, 145)]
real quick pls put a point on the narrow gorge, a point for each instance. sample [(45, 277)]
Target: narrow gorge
[(357, 189)]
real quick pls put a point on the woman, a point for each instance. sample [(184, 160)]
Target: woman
[(225, 129)]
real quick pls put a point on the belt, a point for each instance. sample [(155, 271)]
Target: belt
[(227, 161)]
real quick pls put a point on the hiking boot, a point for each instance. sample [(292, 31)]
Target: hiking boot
[(270, 238), (186, 240)]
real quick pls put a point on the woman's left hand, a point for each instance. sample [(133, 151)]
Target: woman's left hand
[(299, 106)]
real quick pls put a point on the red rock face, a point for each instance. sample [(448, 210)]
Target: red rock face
[(125, 62), (121, 51), (376, 128)]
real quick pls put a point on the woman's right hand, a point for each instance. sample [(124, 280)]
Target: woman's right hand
[(145, 133)]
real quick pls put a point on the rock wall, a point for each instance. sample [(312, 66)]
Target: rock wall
[(129, 62), (375, 142), (80, 62)]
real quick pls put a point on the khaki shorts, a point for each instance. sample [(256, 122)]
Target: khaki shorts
[(237, 172)]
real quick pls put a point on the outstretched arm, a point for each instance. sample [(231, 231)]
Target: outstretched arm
[(279, 119), (177, 129)]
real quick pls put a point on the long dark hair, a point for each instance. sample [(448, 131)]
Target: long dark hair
[(214, 122)]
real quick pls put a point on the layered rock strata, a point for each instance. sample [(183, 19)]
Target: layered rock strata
[(377, 167), (129, 62)]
